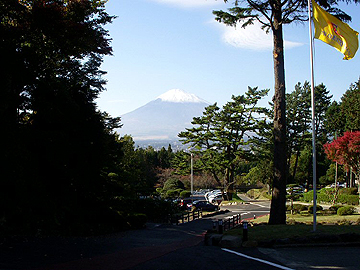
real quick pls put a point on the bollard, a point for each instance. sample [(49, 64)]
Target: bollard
[(245, 230), (214, 225), (220, 226)]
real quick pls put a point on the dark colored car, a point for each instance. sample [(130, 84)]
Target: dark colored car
[(184, 203), (204, 205)]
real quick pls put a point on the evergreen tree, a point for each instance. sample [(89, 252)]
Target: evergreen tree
[(350, 108), (273, 15), (219, 137), (55, 144), (298, 117)]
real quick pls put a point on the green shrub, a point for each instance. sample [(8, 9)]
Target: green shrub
[(154, 209), (301, 207), (173, 193), (311, 207), (297, 207), (346, 210), (335, 207), (137, 220), (348, 191), (185, 194), (325, 198), (258, 194), (173, 184), (348, 199)]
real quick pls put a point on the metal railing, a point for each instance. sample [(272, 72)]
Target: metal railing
[(223, 225), (186, 217)]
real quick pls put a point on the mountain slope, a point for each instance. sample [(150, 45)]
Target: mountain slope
[(164, 117)]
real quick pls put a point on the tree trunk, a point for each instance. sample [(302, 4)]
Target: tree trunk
[(278, 209), (296, 162)]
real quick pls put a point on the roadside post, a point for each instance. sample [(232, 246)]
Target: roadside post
[(245, 230), (214, 225), (220, 226)]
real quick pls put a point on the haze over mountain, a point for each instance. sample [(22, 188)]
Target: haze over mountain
[(163, 118)]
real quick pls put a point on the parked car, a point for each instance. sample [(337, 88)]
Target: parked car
[(204, 205), (212, 193), (185, 204), (339, 185), (216, 198), (295, 190)]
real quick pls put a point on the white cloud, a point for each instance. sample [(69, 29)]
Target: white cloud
[(190, 3), (252, 37)]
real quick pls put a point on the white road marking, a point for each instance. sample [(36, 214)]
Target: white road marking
[(255, 211), (256, 259), (259, 205), (240, 211)]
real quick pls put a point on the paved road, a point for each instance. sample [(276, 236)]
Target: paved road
[(169, 247), (249, 209), (331, 257), (119, 251)]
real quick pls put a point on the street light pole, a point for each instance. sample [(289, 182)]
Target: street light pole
[(192, 178)]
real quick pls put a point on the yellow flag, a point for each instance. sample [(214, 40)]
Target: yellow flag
[(335, 32)]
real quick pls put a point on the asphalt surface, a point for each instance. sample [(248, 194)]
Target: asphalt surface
[(169, 247)]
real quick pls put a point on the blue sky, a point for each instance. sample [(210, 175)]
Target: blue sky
[(161, 45)]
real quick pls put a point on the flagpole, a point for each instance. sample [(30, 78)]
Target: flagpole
[(312, 116)]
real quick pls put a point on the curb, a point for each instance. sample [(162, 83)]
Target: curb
[(230, 241)]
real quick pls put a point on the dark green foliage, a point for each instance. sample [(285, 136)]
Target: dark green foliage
[(350, 108), (185, 194), (348, 191), (57, 148), (334, 121), (348, 199), (137, 167), (172, 193), (137, 220), (311, 207), (323, 197), (154, 209), (273, 15), (346, 210), (173, 184), (297, 208), (334, 208), (219, 137)]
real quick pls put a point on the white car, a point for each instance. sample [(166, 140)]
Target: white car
[(215, 198), (212, 193)]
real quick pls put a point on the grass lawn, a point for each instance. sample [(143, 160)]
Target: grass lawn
[(300, 226)]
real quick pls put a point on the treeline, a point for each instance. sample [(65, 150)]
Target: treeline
[(235, 143), (63, 168)]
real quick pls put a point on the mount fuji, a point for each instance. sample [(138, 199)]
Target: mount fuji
[(160, 120)]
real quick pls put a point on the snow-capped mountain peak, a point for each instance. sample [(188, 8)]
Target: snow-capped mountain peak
[(179, 96)]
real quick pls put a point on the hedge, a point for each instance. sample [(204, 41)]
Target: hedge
[(185, 194), (346, 210), (297, 207), (137, 220), (335, 207), (311, 207), (324, 198)]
